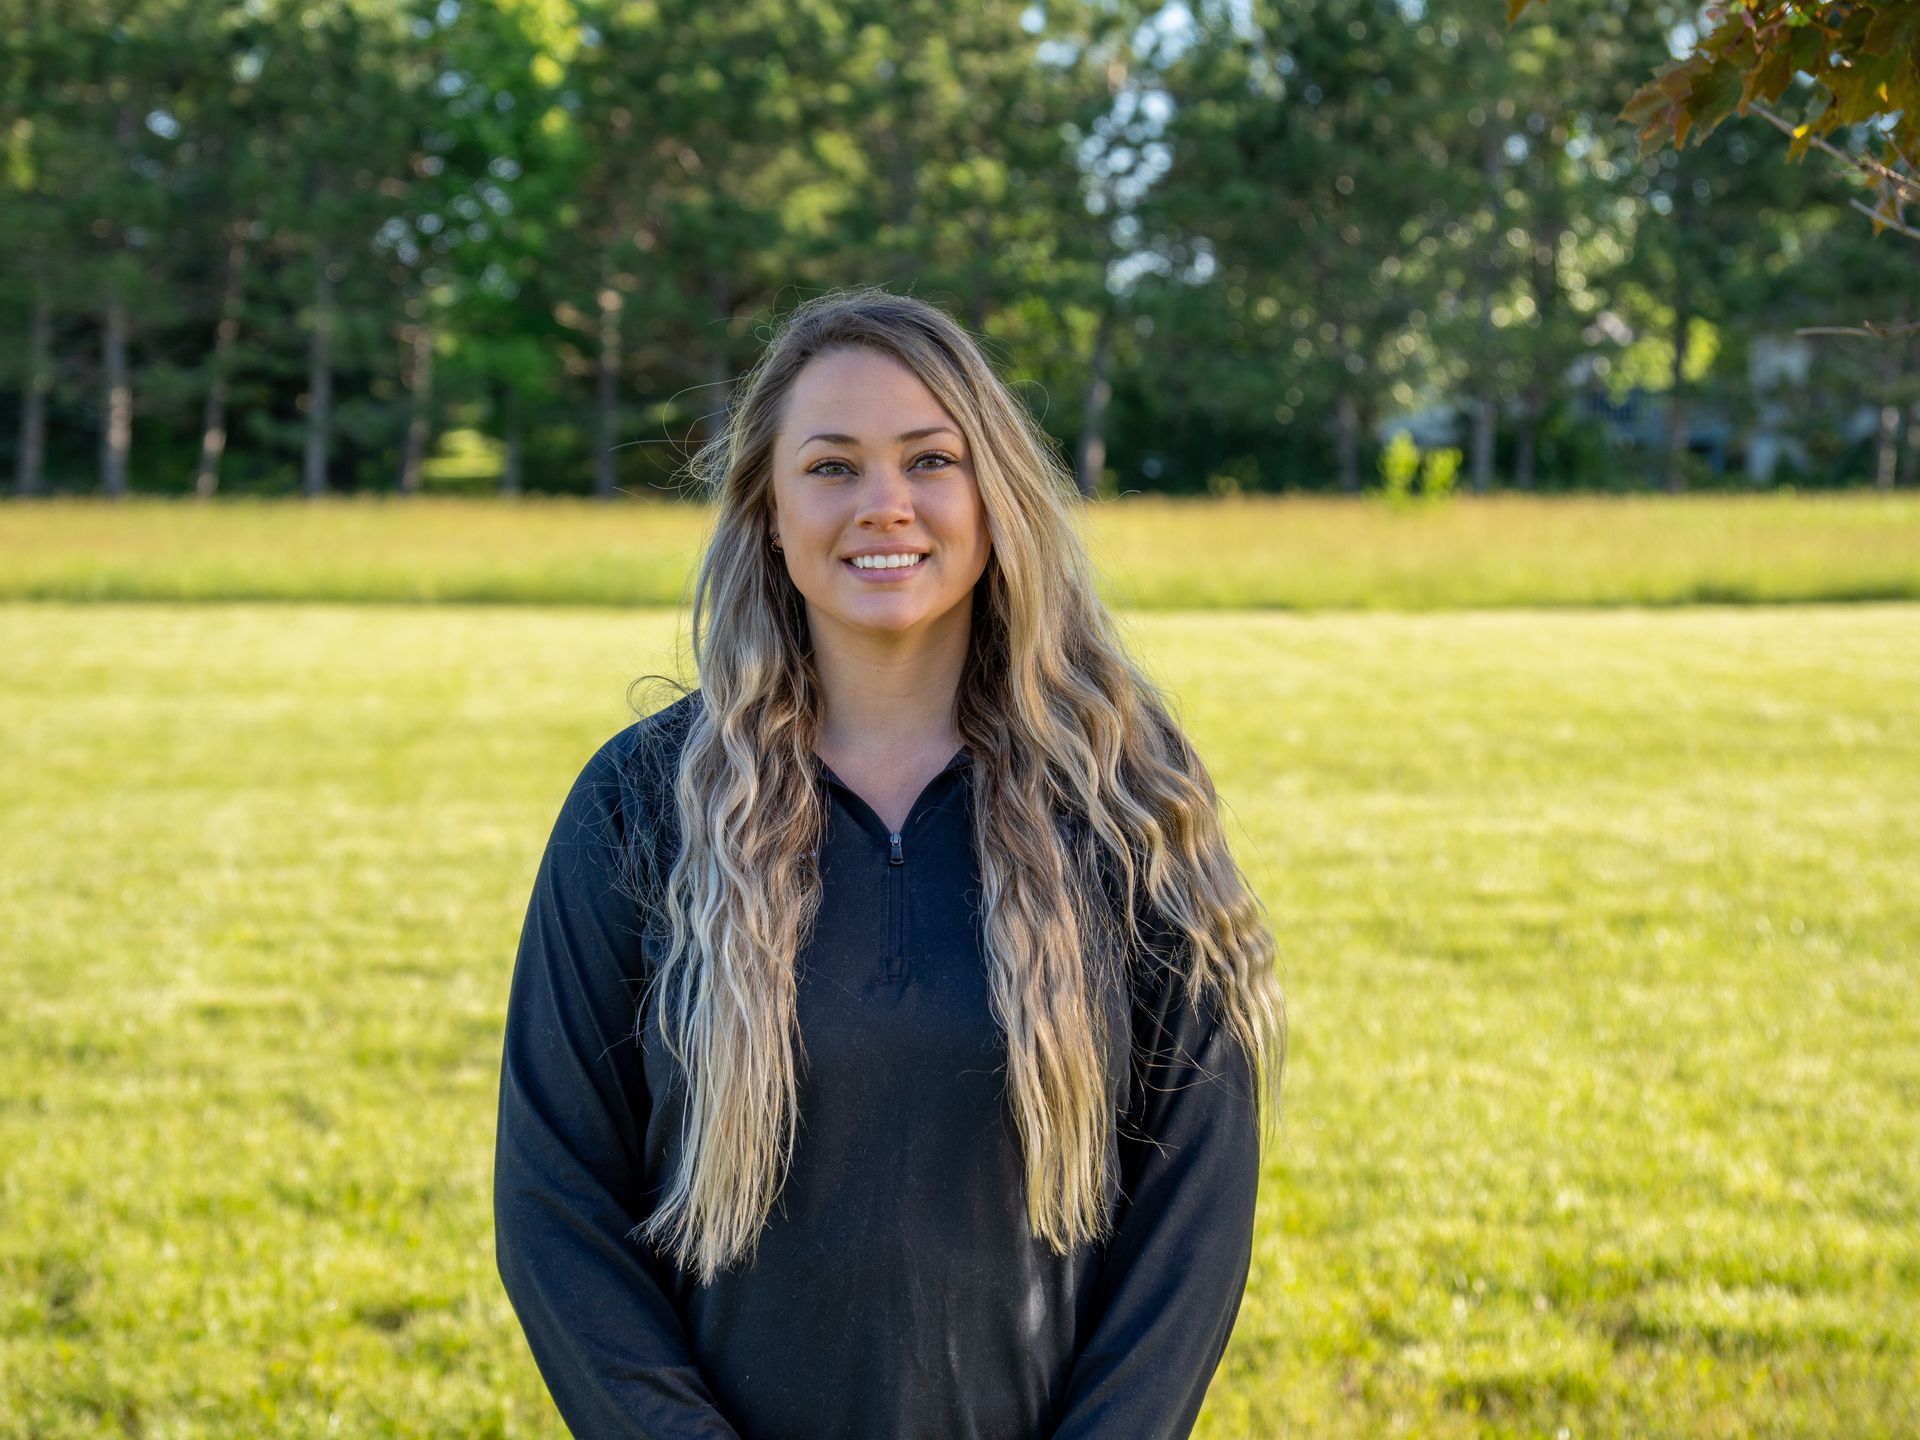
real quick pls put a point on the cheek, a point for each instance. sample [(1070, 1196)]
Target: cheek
[(806, 523), (966, 518), (983, 537)]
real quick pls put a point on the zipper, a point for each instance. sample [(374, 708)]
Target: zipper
[(896, 922)]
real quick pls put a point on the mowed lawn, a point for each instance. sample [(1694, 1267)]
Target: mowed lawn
[(1294, 552), (1601, 931)]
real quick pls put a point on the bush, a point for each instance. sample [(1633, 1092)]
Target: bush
[(1401, 462), (1437, 473)]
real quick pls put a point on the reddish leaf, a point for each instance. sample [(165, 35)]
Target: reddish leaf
[(1643, 103), (1768, 80), (1714, 95)]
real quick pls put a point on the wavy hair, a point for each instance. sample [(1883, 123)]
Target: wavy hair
[(1092, 814)]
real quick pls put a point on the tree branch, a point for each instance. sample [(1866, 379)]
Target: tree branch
[(1906, 183), (1879, 219), (1872, 329)]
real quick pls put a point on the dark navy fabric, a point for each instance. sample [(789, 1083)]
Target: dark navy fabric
[(896, 1292)]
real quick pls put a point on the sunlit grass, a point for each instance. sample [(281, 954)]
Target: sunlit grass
[(1600, 931), (1268, 553)]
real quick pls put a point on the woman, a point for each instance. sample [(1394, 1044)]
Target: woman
[(891, 1028)]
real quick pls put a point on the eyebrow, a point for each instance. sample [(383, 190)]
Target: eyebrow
[(851, 440)]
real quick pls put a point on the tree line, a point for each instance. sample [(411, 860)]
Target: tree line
[(262, 246)]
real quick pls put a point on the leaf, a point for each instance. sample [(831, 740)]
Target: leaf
[(1677, 79), (1714, 95), (1658, 113), (1861, 93), (1807, 50), (1894, 31), (1643, 102), (1767, 80)]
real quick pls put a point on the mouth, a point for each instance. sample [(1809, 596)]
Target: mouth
[(891, 572)]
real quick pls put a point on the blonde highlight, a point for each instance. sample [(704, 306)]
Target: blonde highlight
[(1091, 812)]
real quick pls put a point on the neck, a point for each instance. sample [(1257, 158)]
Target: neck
[(891, 695)]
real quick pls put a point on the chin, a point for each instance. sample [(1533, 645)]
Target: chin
[(884, 623)]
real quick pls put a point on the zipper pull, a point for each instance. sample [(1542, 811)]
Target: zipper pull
[(896, 858)]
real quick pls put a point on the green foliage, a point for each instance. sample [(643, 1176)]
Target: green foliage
[(1407, 475), (1399, 466), (1647, 363), (468, 462), (1238, 476), (1436, 473), (1858, 54), (1276, 233)]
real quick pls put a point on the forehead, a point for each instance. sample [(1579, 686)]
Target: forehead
[(861, 392)]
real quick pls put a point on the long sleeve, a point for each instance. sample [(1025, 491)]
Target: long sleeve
[(595, 1303), (1176, 1266)]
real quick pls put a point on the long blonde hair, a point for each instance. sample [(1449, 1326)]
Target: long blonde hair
[(1068, 738)]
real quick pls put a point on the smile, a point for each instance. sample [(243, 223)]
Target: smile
[(894, 568)]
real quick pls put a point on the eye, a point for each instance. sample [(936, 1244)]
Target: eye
[(819, 466)]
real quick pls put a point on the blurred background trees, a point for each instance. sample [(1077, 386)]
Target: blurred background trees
[(307, 246)]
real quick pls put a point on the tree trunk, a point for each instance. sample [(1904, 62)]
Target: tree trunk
[(606, 473), (116, 439), (1886, 458), (1483, 436), (413, 453), (1091, 461), (1543, 275), (27, 477), (719, 359), (1887, 446), (1910, 456), (213, 426), (901, 196), (514, 426), (1677, 404), (1910, 460), (980, 275), (1523, 440), (313, 475), (1347, 441), (1485, 410)]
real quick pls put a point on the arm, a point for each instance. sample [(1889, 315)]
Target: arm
[(1177, 1264), (596, 1305)]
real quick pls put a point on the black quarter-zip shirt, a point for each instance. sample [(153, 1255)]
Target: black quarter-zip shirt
[(896, 1293)]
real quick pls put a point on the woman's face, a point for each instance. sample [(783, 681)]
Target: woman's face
[(868, 462)]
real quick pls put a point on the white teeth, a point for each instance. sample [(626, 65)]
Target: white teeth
[(885, 562)]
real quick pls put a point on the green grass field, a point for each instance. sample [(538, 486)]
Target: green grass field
[(1600, 929), (1294, 553)]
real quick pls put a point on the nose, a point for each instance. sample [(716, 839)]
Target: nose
[(886, 496)]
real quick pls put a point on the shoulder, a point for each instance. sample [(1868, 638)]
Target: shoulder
[(622, 799), (644, 757)]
